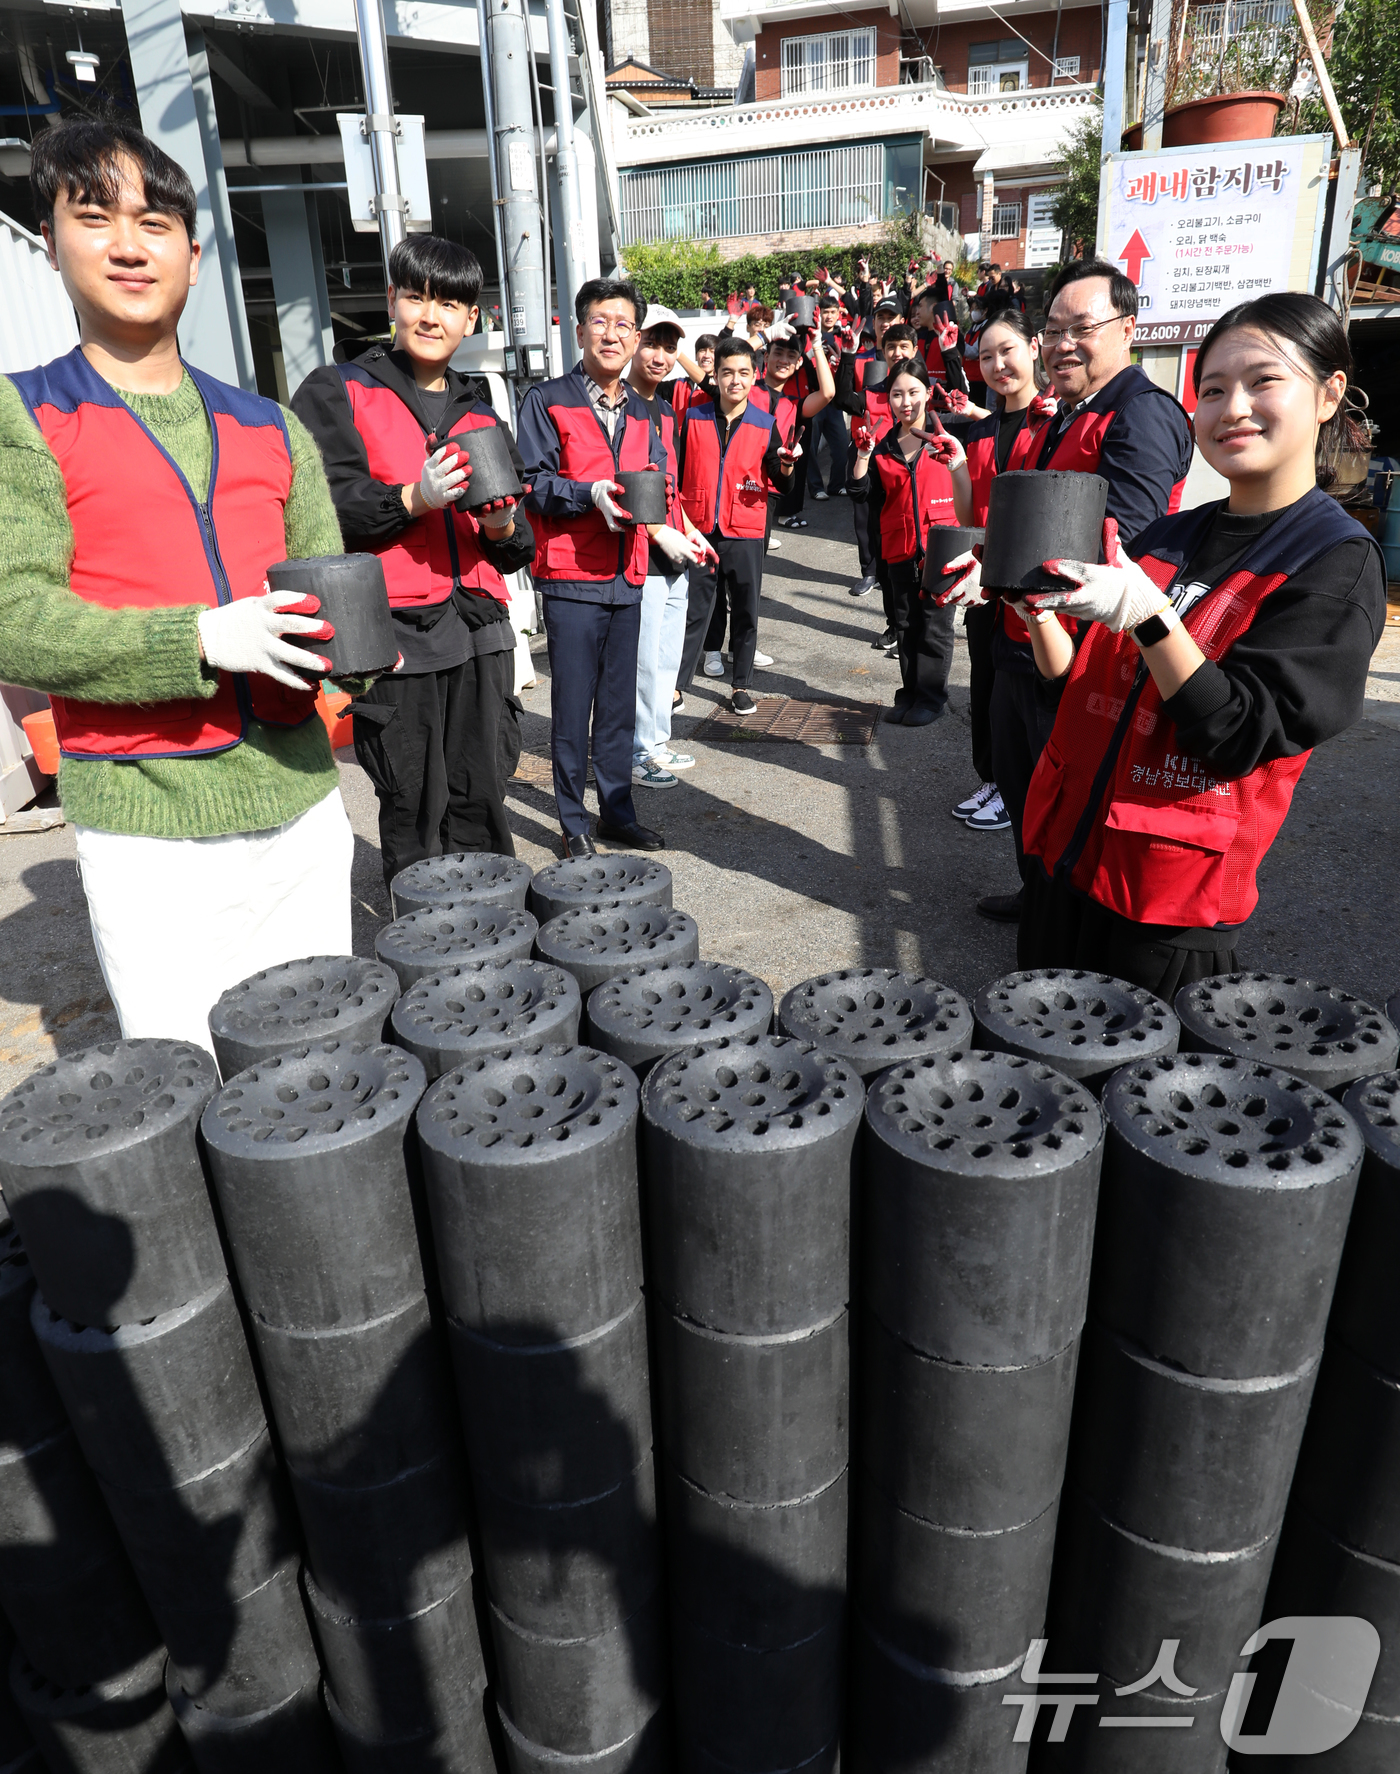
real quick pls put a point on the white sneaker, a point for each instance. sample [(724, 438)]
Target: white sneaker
[(822, 495), (773, 542), (714, 665), (975, 802), (763, 659), (673, 760), (652, 775), (991, 818)]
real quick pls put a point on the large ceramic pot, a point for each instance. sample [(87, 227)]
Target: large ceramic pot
[(1233, 117)]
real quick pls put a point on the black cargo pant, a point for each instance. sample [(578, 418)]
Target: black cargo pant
[(978, 624), (1023, 712), (924, 633), (439, 747)]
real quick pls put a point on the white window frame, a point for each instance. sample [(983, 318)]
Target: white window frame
[(834, 61), (984, 78), (1001, 214), (1066, 67)]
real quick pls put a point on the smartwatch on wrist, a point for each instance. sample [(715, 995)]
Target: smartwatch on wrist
[(1156, 628)]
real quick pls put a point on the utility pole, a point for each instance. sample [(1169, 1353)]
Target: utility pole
[(568, 241), (505, 79), (1154, 104), (1115, 72), (380, 127)]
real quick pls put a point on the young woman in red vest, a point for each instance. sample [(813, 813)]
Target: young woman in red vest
[(430, 736), (1228, 642), (1009, 359), (867, 400), (913, 480)]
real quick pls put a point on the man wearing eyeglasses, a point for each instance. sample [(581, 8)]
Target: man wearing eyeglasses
[(577, 434), (1112, 420)]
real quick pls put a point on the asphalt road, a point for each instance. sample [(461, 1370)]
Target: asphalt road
[(796, 859)]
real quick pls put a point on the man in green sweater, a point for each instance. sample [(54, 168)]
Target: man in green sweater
[(141, 504)]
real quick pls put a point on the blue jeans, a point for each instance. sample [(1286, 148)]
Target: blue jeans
[(659, 646), (830, 423)]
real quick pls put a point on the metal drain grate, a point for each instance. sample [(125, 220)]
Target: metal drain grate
[(782, 718)]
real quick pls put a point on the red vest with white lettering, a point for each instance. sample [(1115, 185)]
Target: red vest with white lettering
[(917, 494), (422, 562), (728, 493), (144, 540), (1170, 842), (583, 547)]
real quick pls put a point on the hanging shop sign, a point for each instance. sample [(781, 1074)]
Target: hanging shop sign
[(1201, 229)]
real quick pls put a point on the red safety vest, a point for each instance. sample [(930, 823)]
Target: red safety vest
[(786, 409), (424, 561), (726, 492), (583, 547), (917, 494), (143, 540), (1115, 805)]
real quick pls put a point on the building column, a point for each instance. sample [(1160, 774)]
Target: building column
[(213, 329), (298, 282)]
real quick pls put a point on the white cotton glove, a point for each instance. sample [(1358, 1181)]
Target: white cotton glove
[(246, 636), (779, 331), (442, 480), (964, 572), (680, 549), (602, 496), (1119, 594)]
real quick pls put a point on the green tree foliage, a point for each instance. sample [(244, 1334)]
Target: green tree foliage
[(672, 271), (1076, 206), (1365, 70)]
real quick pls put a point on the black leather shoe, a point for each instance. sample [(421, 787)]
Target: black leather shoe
[(1003, 908), (582, 845), (636, 837), (924, 714), (894, 717)]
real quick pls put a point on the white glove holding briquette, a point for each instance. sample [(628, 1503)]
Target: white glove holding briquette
[(442, 480), (967, 588), (247, 636), (1118, 594), (614, 516)]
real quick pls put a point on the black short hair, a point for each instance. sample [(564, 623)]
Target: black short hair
[(732, 347), (428, 265), (899, 334), (82, 160), (608, 289), (1122, 291), (910, 366), (828, 299), (706, 342)]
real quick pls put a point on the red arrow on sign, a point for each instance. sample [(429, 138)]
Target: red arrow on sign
[(1133, 254)]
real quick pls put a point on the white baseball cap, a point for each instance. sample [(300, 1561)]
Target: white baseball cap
[(659, 316)]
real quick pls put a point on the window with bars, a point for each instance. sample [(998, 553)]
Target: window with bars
[(1066, 67), (1214, 25), (837, 62), (1006, 220), (765, 194)]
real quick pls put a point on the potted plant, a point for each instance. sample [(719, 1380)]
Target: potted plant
[(1226, 81)]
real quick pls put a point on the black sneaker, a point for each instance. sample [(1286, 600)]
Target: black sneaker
[(741, 703), (862, 587), (1002, 908), (887, 640)]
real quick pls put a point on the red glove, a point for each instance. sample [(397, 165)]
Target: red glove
[(947, 334), (1044, 406), (957, 400), (938, 398), (862, 433), (734, 305)]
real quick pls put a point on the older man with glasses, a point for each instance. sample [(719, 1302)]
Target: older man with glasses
[(577, 434), (1112, 420)]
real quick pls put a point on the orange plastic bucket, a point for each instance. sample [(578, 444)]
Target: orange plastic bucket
[(39, 730)]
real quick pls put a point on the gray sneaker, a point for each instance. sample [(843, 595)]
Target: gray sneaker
[(651, 775)]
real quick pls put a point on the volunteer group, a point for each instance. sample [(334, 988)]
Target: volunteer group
[(1140, 731)]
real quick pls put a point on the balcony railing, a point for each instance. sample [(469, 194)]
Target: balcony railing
[(1037, 115), (766, 194)]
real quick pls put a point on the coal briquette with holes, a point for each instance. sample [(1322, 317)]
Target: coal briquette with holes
[(582, 880), (485, 1007), (120, 1726), (1316, 1032), (598, 941), (874, 1017), (980, 1184), (643, 1015), (1227, 1187), (1363, 1314), (1086, 1025), (474, 878), (282, 1008), (422, 943), (101, 1172)]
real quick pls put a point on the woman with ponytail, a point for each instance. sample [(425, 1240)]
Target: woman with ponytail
[(1235, 638)]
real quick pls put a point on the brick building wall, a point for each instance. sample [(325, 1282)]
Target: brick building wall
[(768, 46), (946, 45)]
